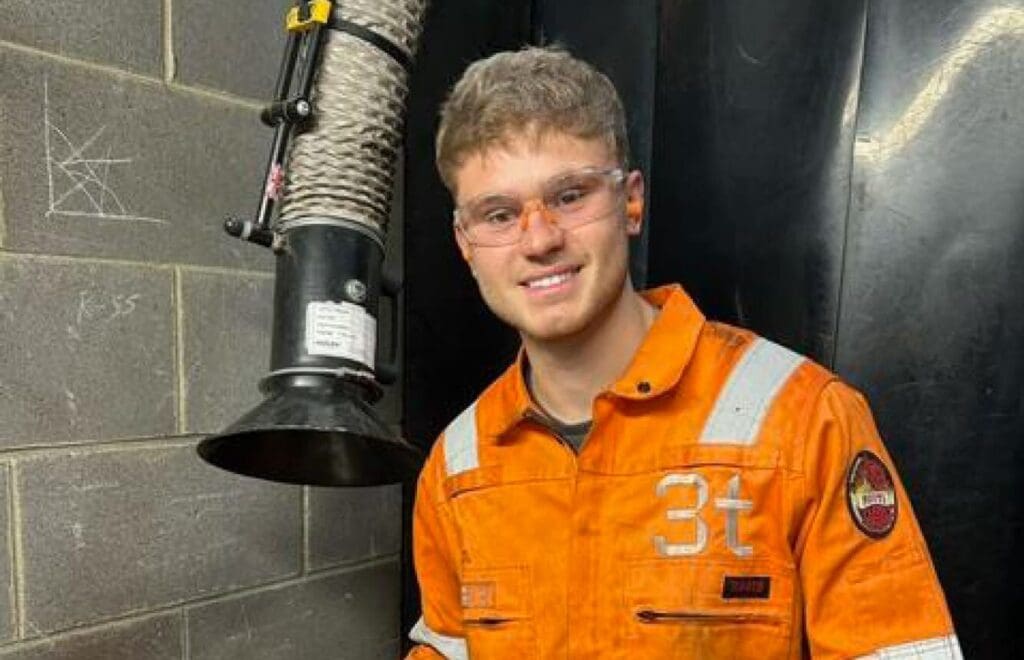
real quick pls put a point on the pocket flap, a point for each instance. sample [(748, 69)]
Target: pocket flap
[(482, 477), (710, 588), (496, 594)]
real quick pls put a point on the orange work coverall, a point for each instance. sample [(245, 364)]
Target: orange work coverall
[(731, 499)]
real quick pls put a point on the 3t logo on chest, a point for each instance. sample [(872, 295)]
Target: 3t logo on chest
[(731, 505)]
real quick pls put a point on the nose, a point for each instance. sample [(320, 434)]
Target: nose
[(541, 234)]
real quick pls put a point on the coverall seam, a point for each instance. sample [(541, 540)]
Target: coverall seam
[(803, 435)]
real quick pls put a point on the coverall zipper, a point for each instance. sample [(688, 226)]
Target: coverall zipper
[(669, 616)]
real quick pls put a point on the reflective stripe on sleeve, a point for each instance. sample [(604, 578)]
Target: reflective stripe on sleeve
[(748, 393), (936, 648), (460, 443), (452, 648)]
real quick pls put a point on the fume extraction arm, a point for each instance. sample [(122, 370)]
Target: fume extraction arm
[(338, 118)]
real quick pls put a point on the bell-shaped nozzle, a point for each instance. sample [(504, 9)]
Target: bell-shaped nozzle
[(316, 430), (316, 425)]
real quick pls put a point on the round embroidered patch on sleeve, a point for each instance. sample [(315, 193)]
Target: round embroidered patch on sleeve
[(871, 495)]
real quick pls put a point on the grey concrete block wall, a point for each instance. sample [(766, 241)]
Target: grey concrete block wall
[(6, 574), (350, 614), (348, 524), (157, 637), (126, 35), (72, 368), (225, 347), (129, 326), (217, 47), (106, 164), (144, 526)]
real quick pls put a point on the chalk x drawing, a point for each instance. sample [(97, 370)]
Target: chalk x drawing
[(79, 175)]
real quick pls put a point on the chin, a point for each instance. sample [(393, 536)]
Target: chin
[(551, 334), (534, 326), (552, 329)]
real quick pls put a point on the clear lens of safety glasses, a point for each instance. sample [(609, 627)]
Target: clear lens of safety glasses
[(569, 201)]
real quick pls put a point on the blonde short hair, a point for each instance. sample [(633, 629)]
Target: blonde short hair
[(534, 91)]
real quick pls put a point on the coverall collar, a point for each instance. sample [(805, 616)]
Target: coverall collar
[(656, 367)]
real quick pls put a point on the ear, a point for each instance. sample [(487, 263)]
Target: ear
[(634, 202)]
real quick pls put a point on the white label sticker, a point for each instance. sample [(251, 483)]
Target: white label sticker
[(341, 330)]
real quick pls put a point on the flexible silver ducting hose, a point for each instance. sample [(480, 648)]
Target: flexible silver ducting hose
[(342, 167)]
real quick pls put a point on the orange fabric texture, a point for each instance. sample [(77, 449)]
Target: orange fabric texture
[(651, 544)]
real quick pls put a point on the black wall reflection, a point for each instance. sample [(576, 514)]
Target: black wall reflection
[(750, 180), (932, 307), (845, 178)]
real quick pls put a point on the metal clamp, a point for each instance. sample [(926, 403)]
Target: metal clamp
[(307, 15)]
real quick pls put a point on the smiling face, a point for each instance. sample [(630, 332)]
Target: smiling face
[(552, 284)]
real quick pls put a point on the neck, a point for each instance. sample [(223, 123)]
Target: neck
[(568, 373)]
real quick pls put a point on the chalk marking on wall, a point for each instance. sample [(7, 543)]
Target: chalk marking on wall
[(87, 174), (72, 405), (105, 307), (77, 531)]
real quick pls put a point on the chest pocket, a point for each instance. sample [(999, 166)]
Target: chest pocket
[(713, 578), (705, 608), (497, 613), (499, 516), (496, 589)]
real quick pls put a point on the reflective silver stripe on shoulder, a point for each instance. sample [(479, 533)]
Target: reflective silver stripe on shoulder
[(452, 648), (748, 393), (460, 443), (936, 648)]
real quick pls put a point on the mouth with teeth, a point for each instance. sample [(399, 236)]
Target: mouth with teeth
[(551, 282)]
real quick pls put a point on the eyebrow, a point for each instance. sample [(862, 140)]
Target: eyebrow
[(492, 197)]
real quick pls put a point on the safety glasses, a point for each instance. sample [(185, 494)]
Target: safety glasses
[(568, 201)]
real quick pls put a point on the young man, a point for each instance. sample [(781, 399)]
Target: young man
[(641, 483)]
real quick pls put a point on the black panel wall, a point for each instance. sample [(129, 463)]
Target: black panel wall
[(932, 306), (750, 181)]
